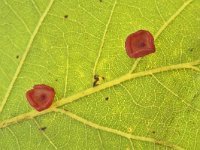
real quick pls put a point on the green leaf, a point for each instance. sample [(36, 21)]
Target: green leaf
[(148, 103)]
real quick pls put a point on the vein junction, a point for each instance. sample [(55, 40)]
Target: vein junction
[(89, 91)]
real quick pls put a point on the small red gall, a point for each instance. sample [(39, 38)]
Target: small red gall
[(139, 44), (40, 97)]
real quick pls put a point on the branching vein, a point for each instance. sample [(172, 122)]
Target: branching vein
[(90, 91), (10, 87), (46, 136), (117, 132), (103, 38), (163, 27)]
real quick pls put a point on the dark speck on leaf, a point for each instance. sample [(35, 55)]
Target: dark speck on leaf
[(56, 80), (191, 49), (65, 16), (101, 0), (107, 98), (17, 56), (43, 128), (153, 132), (96, 79)]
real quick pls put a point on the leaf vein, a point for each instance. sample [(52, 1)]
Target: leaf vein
[(10, 87), (163, 27), (36, 7), (173, 93), (100, 139), (22, 21), (115, 131), (15, 138), (45, 135), (103, 38), (89, 91)]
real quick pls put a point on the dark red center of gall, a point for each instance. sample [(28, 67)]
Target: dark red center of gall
[(40, 97), (139, 44)]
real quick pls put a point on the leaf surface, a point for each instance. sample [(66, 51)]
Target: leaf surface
[(147, 103)]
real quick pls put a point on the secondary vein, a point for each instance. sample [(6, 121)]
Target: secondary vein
[(25, 56)]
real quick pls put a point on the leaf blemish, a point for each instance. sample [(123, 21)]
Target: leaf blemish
[(139, 44), (191, 49), (107, 98), (100, 0), (153, 132), (40, 96), (42, 128), (65, 16), (97, 80), (17, 56), (129, 130)]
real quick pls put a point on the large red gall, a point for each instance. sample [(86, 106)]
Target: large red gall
[(139, 44), (40, 97)]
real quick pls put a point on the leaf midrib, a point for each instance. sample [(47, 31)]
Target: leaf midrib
[(89, 91), (40, 23), (182, 66)]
